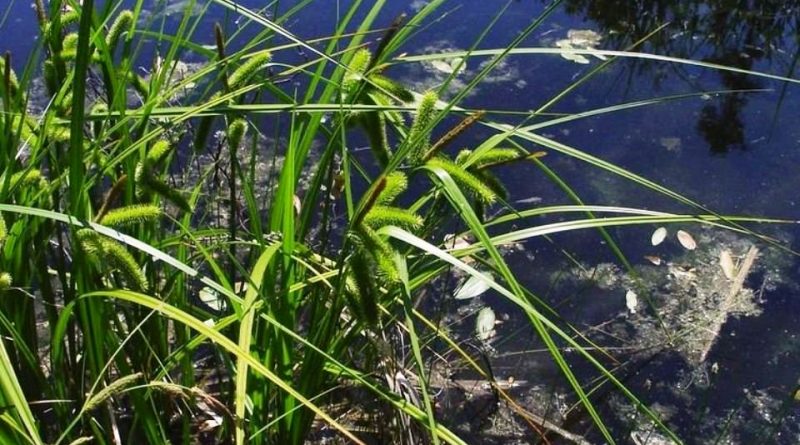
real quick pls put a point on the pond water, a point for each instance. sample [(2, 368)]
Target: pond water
[(732, 144)]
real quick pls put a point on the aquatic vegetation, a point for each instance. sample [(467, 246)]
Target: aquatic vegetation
[(193, 247)]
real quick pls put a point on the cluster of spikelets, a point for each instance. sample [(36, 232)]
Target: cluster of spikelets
[(374, 257), (109, 255), (373, 260), (68, 45), (239, 78), (149, 182), (364, 84), (24, 181), (26, 127)]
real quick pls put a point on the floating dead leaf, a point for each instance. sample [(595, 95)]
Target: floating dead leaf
[(471, 288), (653, 259), (484, 324), (658, 236), (726, 262), (631, 301), (686, 240)]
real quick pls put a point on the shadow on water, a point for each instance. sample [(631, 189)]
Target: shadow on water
[(746, 34)]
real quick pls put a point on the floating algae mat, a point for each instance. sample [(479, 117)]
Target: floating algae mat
[(682, 298), (688, 349)]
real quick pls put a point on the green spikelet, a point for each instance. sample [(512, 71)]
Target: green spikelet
[(374, 125), (69, 46), (58, 133), (493, 182), (111, 390), (26, 130), (472, 183), (248, 69), (107, 253), (120, 25), (392, 87), (463, 157), (419, 132), (147, 182), (157, 153), (396, 183), (202, 132), (139, 84), (496, 156), (5, 277), (30, 178), (378, 98), (236, 131), (381, 252), (5, 281), (97, 125), (381, 216), (10, 77), (49, 74), (364, 288), (70, 18), (82, 440), (161, 188), (3, 231), (131, 215), (140, 178), (355, 70)]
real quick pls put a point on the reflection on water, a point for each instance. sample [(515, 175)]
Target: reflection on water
[(747, 34)]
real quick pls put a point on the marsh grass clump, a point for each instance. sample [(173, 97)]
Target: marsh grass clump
[(290, 273)]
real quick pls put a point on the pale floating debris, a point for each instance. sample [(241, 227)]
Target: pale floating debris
[(580, 39), (448, 67), (577, 58), (658, 236), (531, 200), (631, 301), (211, 298), (671, 144), (298, 204), (649, 437), (484, 324), (653, 259), (471, 288), (686, 240), (726, 262), (584, 37), (451, 241)]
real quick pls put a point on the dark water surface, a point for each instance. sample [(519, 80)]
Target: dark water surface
[(735, 152)]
